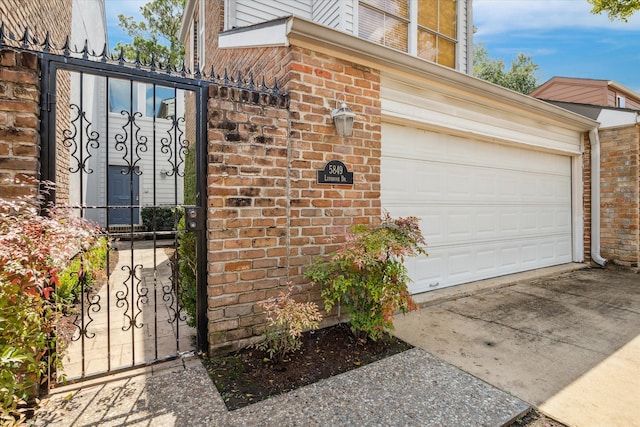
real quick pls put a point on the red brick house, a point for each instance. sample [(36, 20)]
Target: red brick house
[(496, 176), (616, 108)]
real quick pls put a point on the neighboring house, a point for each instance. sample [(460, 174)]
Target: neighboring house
[(150, 185), (616, 108), (87, 21), (151, 136), (605, 93), (607, 102), (606, 116), (495, 176)]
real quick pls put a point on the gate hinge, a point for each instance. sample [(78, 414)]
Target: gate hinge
[(50, 99)]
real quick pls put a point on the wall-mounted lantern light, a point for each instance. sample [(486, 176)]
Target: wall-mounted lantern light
[(343, 120)]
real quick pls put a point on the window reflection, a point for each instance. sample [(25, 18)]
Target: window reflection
[(120, 96), (125, 95), (387, 22)]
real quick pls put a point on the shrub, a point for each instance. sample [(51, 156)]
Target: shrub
[(286, 319), (33, 250), (187, 266), (367, 275), (92, 264), (160, 219)]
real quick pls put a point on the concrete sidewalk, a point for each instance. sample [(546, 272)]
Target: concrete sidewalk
[(412, 388), (567, 343)]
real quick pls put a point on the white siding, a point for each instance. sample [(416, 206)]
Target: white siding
[(249, 12), (88, 23), (89, 188), (464, 51), (328, 13)]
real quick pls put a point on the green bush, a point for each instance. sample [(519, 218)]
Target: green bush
[(33, 251), (187, 270), (160, 219), (92, 263), (24, 331), (367, 275)]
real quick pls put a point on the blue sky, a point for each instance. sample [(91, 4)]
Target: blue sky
[(115, 7), (561, 36)]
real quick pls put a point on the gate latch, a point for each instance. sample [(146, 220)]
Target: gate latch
[(194, 220)]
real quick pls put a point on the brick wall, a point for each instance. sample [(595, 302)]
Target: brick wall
[(267, 215), (620, 195), (247, 221), (55, 18), (19, 123), (269, 63)]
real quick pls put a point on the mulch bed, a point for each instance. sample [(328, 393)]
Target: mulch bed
[(534, 418), (247, 376)]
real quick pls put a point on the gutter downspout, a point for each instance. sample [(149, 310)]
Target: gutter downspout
[(594, 139)]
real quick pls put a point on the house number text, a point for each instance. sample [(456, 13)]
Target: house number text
[(335, 172)]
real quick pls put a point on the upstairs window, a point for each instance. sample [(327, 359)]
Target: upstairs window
[(437, 31), (425, 28), (385, 22)]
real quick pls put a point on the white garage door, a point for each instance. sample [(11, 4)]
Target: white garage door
[(486, 209)]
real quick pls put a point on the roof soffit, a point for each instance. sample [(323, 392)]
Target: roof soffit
[(401, 66)]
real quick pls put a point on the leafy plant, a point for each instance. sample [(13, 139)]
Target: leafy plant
[(367, 275), (160, 219), (92, 264), (286, 319), (156, 35), (187, 262), (187, 273), (33, 250)]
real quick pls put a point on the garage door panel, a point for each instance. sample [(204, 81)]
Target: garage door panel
[(485, 222), (529, 255), (486, 209), (446, 267), (487, 259), (459, 225), (450, 225), (427, 272)]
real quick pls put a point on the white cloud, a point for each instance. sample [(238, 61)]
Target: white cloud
[(494, 17)]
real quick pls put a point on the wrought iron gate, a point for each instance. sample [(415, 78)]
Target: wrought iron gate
[(125, 147)]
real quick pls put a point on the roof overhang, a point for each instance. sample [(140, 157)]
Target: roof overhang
[(187, 17), (296, 31)]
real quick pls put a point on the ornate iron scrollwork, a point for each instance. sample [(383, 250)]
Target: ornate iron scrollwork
[(80, 154), (122, 296), (83, 318), (123, 139), (170, 294), (177, 155)]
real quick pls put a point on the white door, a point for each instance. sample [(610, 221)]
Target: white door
[(486, 209)]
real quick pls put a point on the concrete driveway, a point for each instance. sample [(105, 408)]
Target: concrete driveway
[(568, 343)]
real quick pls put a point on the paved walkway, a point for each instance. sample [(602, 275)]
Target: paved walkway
[(568, 343), (409, 389), (132, 319)]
